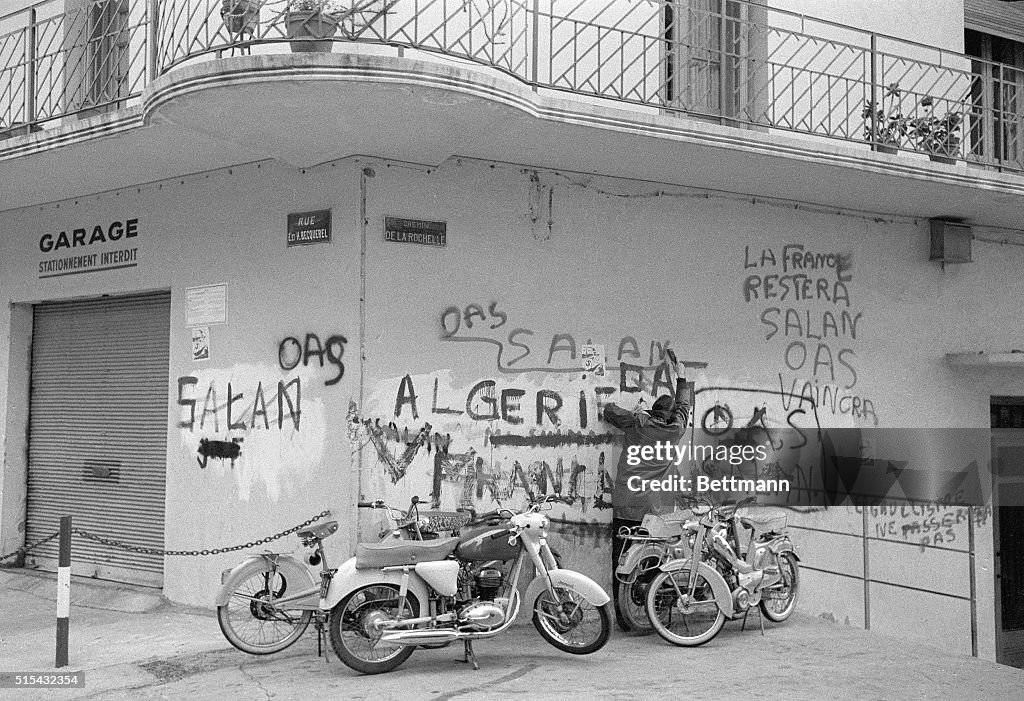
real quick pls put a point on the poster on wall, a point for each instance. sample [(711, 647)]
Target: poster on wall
[(206, 304), (593, 359), (201, 343)]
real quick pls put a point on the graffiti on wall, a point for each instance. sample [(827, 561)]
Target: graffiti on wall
[(236, 406), (534, 429), (282, 427), (522, 350), (926, 525), (809, 314), (291, 352), (219, 450)]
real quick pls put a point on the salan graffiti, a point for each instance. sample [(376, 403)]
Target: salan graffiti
[(522, 350), (234, 407), (807, 305)]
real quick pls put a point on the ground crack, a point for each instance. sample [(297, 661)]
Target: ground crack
[(257, 681)]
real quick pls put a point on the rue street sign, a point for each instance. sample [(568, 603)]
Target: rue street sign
[(305, 228)]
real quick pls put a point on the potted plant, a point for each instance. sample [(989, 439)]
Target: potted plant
[(240, 16), (312, 23), (886, 127), (939, 137)]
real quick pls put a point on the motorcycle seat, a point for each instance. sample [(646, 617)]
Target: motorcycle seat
[(764, 522), (319, 531), (403, 552)]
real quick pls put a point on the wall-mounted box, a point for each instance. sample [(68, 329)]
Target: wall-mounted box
[(951, 242)]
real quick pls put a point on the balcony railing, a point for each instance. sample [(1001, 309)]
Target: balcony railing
[(737, 62)]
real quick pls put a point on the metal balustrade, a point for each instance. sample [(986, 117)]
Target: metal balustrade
[(735, 62)]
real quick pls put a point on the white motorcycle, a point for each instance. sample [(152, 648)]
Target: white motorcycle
[(267, 601), (395, 596), (402, 593)]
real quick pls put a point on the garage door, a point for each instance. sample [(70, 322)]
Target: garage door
[(98, 432)]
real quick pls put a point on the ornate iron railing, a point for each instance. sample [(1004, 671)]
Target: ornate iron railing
[(737, 62)]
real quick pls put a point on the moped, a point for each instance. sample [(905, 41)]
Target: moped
[(738, 563), (266, 602), (395, 596), (654, 542)]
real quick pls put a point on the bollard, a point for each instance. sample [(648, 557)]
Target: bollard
[(63, 591)]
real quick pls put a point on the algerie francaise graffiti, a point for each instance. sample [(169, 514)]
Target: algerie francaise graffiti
[(533, 426)]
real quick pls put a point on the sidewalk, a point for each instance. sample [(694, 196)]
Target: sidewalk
[(132, 644)]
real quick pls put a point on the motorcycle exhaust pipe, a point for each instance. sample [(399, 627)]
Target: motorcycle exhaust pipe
[(420, 637)]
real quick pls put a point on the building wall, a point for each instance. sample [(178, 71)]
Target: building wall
[(938, 24), (226, 228), (482, 339)]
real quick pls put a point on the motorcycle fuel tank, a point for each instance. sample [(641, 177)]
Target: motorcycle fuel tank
[(478, 543)]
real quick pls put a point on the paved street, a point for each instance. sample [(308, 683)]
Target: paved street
[(133, 645)]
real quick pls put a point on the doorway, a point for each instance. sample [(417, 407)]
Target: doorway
[(1008, 527), (98, 433)]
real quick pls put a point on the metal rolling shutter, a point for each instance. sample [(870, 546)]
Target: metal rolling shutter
[(98, 432)]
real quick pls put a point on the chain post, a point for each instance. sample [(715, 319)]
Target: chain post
[(63, 592)]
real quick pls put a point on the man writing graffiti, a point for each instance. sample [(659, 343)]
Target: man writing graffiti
[(647, 432)]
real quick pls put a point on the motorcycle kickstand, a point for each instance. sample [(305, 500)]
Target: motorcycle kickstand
[(760, 618), (469, 656), (321, 638)]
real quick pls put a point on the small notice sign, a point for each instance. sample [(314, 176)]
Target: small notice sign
[(206, 305), (306, 228), (426, 233)]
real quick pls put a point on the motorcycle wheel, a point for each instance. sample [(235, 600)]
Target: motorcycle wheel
[(687, 626), (631, 605), (779, 609), (353, 634), (257, 627), (570, 622)]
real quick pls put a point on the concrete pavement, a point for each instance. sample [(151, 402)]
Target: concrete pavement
[(132, 644)]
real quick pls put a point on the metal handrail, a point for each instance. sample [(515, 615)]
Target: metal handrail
[(736, 62)]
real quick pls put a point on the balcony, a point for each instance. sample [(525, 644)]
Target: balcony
[(736, 69)]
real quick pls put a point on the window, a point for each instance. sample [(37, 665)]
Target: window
[(108, 52), (708, 56), (997, 98)]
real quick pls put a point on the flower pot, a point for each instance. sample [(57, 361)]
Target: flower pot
[(887, 148), (941, 159), (311, 31), (240, 16)]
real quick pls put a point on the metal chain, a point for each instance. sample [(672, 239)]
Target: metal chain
[(25, 548), (215, 551)]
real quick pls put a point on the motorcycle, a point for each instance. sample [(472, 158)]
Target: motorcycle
[(392, 597), (738, 563), (654, 542), (266, 602)]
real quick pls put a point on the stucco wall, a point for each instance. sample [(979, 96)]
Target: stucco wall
[(539, 264), (536, 265), (288, 413)]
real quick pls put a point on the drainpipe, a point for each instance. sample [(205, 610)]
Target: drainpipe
[(364, 175)]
